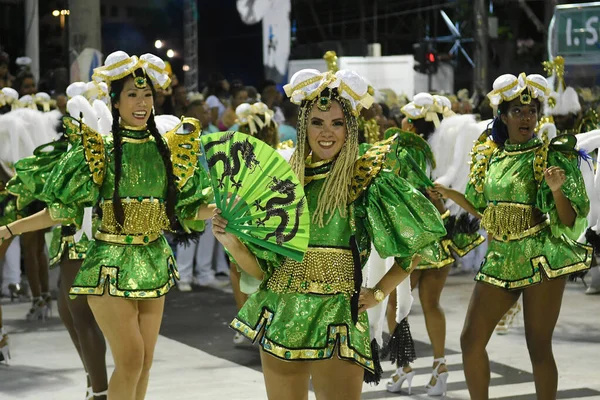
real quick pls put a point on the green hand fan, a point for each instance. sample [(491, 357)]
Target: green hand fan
[(258, 193)]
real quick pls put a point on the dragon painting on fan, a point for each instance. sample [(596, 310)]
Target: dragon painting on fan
[(311, 307)]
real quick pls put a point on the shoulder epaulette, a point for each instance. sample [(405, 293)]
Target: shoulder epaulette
[(368, 166), (185, 148)]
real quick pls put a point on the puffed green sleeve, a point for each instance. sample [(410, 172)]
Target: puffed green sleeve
[(31, 173), (196, 192), (573, 189), (399, 220), (70, 188), (475, 197)]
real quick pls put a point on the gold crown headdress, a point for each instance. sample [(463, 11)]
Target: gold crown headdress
[(563, 99)]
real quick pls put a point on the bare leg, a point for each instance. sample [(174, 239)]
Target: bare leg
[(284, 379), (488, 304), (431, 285), (118, 319), (90, 340), (541, 304), (30, 259), (150, 317), (337, 379)]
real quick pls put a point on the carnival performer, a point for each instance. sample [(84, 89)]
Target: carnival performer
[(423, 116), (531, 199), (313, 311), (68, 245), (129, 267), (22, 130)]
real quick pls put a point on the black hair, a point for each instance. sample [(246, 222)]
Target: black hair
[(385, 110), (423, 127), (116, 88), (289, 109), (499, 128), (215, 87), (21, 76), (4, 58)]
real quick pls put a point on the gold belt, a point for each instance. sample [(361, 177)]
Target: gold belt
[(324, 270), (142, 216), (127, 239), (506, 219), (528, 232)]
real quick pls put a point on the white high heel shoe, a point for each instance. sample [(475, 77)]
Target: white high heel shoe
[(441, 379), (394, 385), (91, 394)]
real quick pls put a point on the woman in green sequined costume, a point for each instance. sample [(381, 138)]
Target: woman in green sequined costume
[(422, 117), (129, 260), (314, 311), (67, 253), (531, 199)]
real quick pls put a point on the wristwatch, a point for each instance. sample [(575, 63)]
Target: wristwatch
[(378, 294)]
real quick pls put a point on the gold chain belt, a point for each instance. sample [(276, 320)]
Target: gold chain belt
[(143, 216), (324, 270), (127, 239), (504, 219)]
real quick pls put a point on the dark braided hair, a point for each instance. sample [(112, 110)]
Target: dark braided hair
[(115, 92)]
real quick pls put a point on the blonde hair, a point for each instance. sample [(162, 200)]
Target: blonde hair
[(335, 192)]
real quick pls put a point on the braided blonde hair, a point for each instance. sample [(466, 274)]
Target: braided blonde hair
[(335, 192)]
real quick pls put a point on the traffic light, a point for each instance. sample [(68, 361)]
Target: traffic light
[(426, 59)]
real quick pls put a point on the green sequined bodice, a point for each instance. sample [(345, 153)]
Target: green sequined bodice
[(337, 232), (510, 176)]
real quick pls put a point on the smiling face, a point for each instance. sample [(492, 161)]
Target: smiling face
[(135, 105), (521, 120), (326, 132)]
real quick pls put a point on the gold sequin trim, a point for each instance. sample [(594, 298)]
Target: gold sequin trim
[(143, 216), (185, 148), (367, 167), (126, 239), (109, 276), (323, 270), (69, 243), (463, 251), (503, 219), (336, 335), (147, 139)]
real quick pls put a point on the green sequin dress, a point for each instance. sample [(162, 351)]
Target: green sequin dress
[(411, 160), (507, 192), (302, 311), (134, 261), (28, 184)]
